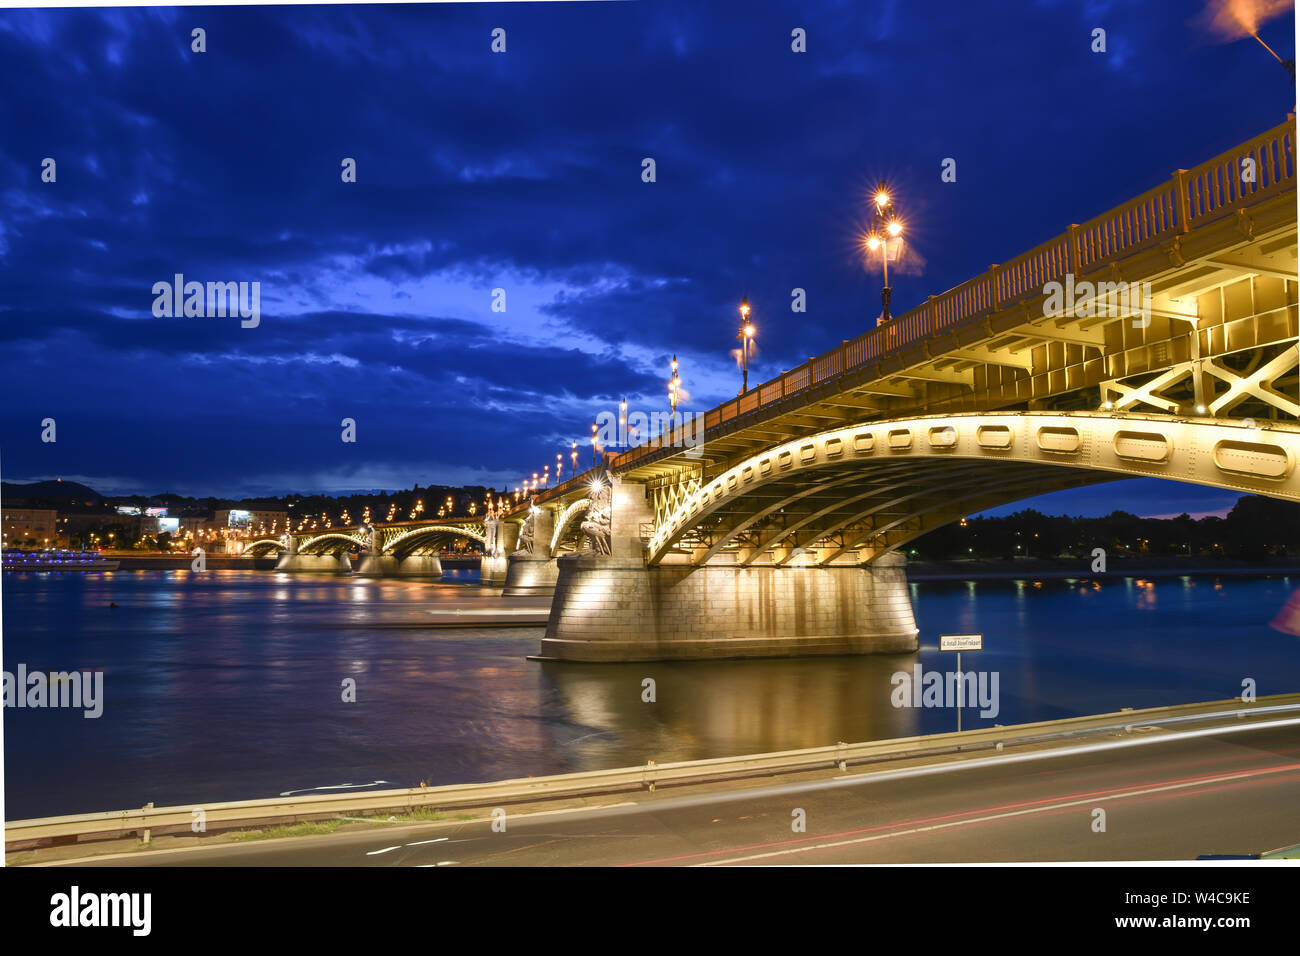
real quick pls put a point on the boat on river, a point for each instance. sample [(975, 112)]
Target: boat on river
[(58, 561)]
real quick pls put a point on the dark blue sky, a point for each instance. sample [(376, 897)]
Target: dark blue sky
[(522, 171)]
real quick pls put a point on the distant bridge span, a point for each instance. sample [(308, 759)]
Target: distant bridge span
[(397, 540)]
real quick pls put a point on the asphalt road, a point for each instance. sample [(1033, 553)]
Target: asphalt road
[(1174, 796)]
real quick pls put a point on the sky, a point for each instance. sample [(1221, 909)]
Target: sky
[(522, 171)]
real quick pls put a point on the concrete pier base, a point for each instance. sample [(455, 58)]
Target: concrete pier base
[(617, 609), (390, 566), (338, 563), (530, 574), (492, 571)]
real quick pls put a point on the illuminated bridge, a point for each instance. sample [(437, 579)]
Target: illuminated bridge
[(402, 548), (1158, 339)]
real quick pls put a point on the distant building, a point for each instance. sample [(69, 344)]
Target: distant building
[(29, 527), (251, 519), (194, 523)]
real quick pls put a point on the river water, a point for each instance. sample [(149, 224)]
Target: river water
[(227, 685)]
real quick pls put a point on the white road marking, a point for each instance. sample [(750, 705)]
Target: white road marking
[(387, 849), (336, 786), (996, 816)]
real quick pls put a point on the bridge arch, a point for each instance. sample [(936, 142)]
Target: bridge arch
[(263, 546), (412, 540), (871, 487), (564, 524), (330, 541)]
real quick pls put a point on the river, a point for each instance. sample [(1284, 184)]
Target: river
[(228, 684)]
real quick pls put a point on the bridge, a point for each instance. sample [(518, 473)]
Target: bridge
[(400, 549), (1158, 339)]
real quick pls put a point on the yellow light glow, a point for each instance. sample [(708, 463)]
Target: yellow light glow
[(894, 228), (873, 243), (882, 198)]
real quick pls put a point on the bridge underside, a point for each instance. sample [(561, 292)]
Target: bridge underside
[(846, 496), (849, 515)]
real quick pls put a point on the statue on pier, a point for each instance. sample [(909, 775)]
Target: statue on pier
[(289, 543), (597, 526), (526, 534), (491, 526), (372, 539)]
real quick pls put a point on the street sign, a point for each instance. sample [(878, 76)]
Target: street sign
[(961, 642)]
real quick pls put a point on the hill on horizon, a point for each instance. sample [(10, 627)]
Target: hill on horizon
[(48, 489)]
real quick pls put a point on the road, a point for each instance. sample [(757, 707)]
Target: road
[(1166, 795)]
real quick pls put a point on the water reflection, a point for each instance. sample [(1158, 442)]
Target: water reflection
[(712, 708)]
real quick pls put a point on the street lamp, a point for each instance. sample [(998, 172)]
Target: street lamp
[(559, 465), (674, 385), (746, 336), (885, 225), (621, 438), (574, 455)]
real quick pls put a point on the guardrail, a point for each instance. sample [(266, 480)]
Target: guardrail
[(1191, 198), (117, 823)]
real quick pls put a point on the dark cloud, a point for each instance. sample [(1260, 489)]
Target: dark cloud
[(522, 170)]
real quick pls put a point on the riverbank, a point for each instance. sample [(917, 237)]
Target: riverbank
[(155, 561), (1082, 568)]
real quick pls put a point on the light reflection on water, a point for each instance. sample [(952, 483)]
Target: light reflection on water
[(227, 685)]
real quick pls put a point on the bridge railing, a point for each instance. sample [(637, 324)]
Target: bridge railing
[(1191, 198)]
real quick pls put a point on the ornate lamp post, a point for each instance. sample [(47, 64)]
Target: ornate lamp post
[(746, 336), (885, 225), (674, 386), (574, 456)]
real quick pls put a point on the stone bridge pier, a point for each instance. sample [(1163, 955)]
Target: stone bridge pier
[(616, 608), (492, 567), (332, 563), (395, 566), (533, 572)]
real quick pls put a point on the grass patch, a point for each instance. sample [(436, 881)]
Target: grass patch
[(422, 813), (312, 828)]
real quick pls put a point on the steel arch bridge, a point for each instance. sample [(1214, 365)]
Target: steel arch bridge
[(848, 495), (1160, 338)]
